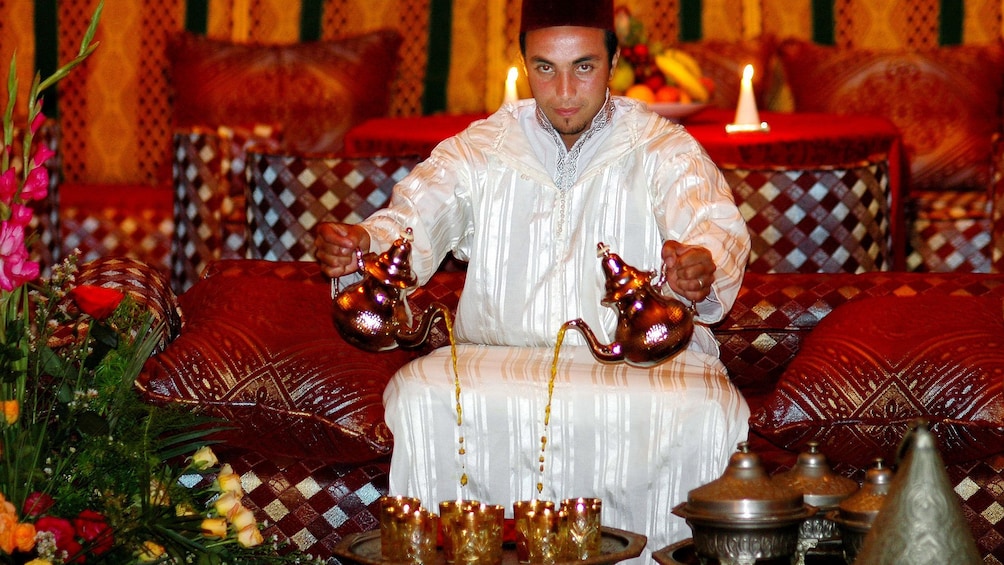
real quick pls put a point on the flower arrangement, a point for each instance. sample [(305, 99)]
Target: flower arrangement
[(653, 73), (89, 473)]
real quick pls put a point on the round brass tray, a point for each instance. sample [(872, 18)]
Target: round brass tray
[(682, 553), (618, 545)]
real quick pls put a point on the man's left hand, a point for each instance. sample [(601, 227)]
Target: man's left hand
[(689, 269)]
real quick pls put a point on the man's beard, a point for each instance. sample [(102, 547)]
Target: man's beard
[(572, 128)]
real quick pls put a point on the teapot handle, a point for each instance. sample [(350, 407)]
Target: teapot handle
[(661, 281), (336, 285)]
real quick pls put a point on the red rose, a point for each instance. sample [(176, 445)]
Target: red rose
[(36, 504), (97, 301), (63, 531), (94, 530)]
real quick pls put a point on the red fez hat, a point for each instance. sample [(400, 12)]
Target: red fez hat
[(552, 13)]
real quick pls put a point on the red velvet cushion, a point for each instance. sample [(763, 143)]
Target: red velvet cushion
[(259, 349), (312, 92), (946, 101), (873, 365)]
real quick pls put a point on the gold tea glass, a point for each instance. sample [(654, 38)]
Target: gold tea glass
[(392, 508), (544, 542), (520, 510), (477, 535), (581, 527), (450, 515)]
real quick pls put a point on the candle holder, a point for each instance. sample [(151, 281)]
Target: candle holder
[(476, 535), (581, 526), (522, 511), (408, 532)]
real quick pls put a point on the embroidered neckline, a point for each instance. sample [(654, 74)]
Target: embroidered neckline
[(564, 175)]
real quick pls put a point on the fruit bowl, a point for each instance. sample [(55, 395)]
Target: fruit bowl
[(676, 110)]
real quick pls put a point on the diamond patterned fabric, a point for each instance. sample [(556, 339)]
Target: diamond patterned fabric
[(209, 198), (289, 195), (827, 220)]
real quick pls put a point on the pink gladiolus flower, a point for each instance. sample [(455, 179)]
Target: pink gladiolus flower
[(20, 214), (16, 268), (38, 121), (8, 185), (42, 154), (37, 184)]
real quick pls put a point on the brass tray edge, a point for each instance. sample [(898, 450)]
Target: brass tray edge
[(634, 545)]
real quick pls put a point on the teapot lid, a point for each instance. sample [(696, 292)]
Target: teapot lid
[(622, 279), (745, 492), (813, 477), (863, 506), (393, 267)]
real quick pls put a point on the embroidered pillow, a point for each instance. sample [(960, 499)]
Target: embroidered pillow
[(311, 92), (946, 101), (259, 350), (873, 365)]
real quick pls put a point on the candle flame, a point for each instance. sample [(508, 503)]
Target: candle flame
[(748, 72), (513, 74)]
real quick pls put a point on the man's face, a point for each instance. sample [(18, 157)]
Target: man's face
[(568, 69)]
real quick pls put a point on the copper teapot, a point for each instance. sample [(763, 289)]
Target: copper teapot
[(373, 314), (651, 327)]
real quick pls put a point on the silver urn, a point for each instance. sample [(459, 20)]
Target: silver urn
[(744, 516), (855, 514), (824, 489)]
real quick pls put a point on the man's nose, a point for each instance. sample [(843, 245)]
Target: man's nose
[(566, 85)]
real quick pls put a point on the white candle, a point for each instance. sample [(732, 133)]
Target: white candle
[(746, 111), (510, 85)]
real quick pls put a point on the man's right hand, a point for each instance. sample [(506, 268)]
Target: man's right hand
[(335, 247)]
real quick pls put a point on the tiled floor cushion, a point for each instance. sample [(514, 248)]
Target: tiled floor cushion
[(950, 231), (311, 504), (832, 219), (112, 220), (290, 194)]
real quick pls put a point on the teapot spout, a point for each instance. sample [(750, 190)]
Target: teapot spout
[(612, 353), (410, 338)]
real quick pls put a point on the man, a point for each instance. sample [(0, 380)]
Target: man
[(524, 197)]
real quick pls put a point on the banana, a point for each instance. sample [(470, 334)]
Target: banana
[(687, 61), (680, 74)]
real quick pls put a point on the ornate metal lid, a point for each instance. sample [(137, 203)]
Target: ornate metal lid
[(622, 279), (863, 506), (744, 493), (393, 267), (813, 477)]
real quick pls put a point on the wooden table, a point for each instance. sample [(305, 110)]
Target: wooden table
[(796, 143)]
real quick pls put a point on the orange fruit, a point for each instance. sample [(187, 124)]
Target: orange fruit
[(667, 93), (641, 92)]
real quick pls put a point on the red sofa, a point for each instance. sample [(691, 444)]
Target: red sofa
[(257, 348)]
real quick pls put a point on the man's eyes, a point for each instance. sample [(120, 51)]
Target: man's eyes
[(581, 68)]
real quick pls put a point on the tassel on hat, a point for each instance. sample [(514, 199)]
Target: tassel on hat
[(539, 14)]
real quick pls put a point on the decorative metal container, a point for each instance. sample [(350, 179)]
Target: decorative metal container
[(743, 515), (822, 488), (855, 514), (922, 522)]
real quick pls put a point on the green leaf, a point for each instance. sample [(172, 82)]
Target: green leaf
[(92, 423)]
